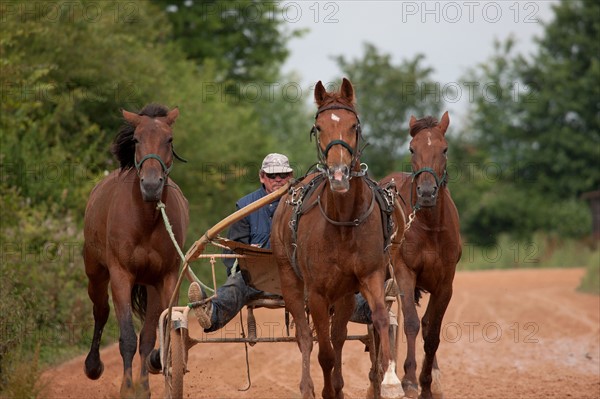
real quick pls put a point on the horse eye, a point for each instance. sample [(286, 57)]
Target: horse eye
[(170, 140), (135, 141), (411, 150), (445, 151)]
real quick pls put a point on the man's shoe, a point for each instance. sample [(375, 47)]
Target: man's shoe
[(203, 312)]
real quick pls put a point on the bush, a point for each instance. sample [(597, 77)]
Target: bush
[(591, 280)]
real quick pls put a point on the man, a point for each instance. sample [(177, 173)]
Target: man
[(254, 229)]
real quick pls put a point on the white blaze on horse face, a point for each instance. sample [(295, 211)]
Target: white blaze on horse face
[(334, 117), (428, 138)]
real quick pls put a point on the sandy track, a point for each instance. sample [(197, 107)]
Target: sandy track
[(507, 334)]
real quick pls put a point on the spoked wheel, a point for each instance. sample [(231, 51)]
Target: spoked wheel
[(176, 364)]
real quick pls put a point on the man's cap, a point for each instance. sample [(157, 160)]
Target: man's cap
[(276, 163)]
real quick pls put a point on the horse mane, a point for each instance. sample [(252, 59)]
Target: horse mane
[(123, 146), (424, 123), (337, 98)]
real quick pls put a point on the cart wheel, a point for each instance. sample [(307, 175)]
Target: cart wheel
[(176, 365)]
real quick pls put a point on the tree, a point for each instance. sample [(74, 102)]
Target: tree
[(244, 38), (387, 95), (540, 127), (544, 128)]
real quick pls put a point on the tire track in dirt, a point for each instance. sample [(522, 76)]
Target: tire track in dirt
[(561, 359)]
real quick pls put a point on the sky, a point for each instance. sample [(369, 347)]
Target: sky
[(454, 36)]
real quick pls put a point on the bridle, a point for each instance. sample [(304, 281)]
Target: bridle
[(354, 152), (439, 181), (166, 170)]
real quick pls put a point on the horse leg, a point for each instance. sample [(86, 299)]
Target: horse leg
[(98, 292), (343, 309), (406, 282), (319, 309), (148, 336), (121, 294), (293, 290), (391, 387), (432, 323)]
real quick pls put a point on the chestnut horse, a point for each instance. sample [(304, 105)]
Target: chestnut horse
[(328, 240), (432, 248), (126, 242)]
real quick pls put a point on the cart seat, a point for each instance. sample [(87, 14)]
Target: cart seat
[(258, 266)]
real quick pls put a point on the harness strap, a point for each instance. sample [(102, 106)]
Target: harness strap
[(386, 199), (300, 208), (351, 223), (384, 196)]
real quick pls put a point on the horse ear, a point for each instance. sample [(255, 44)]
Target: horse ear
[(411, 123), (320, 93), (132, 118), (347, 90), (443, 125), (172, 115)]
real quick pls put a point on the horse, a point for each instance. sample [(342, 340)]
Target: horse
[(126, 242), (335, 246), (432, 248)]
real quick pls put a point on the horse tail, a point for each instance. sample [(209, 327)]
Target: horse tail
[(418, 294), (139, 300)]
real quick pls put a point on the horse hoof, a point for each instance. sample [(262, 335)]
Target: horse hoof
[(93, 372), (392, 391), (153, 362), (411, 390)]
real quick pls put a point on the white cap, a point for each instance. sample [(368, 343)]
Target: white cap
[(276, 163)]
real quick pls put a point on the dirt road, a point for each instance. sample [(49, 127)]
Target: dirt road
[(507, 334)]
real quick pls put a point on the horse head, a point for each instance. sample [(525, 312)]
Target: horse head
[(428, 149), (153, 154), (337, 132)]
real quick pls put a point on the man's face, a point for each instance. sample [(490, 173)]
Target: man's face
[(274, 181)]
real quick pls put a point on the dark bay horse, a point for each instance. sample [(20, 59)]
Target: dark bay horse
[(126, 242), (432, 248), (328, 240)]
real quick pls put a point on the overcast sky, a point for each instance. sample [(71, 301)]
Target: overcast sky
[(453, 35)]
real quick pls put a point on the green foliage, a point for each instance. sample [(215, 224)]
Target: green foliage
[(539, 251), (43, 299), (59, 115), (20, 378), (64, 80), (540, 129), (244, 38), (591, 280), (387, 95)]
